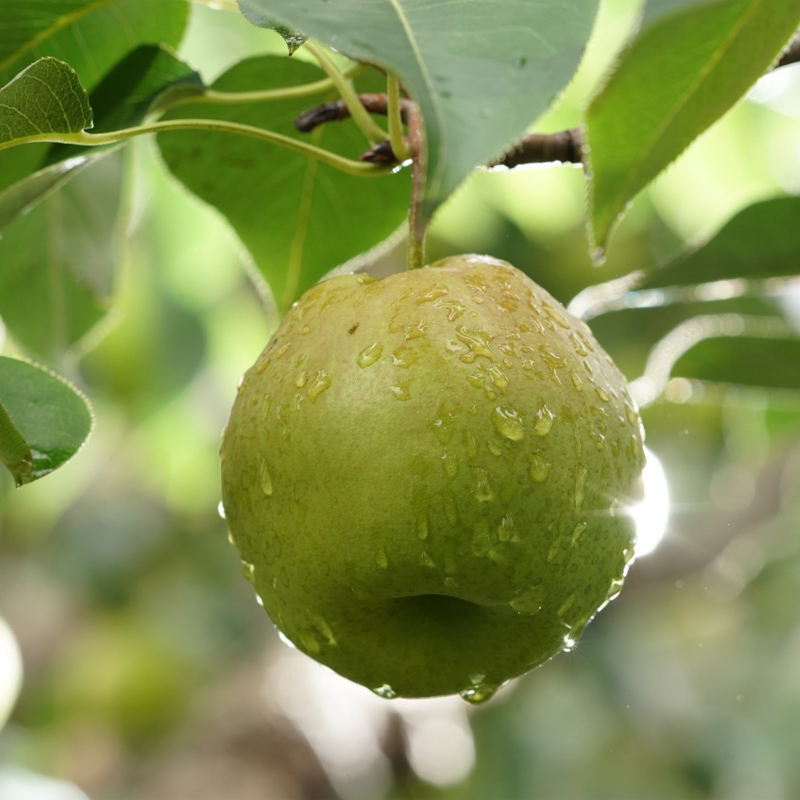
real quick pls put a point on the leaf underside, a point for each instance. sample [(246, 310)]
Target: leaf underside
[(481, 71)]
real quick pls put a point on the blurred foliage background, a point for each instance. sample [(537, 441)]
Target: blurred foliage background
[(149, 671)]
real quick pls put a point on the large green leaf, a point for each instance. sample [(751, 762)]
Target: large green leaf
[(481, 70), (56, 262), (46, 97), (676, 78), (760, 242), (43, 420), (298, 218), (90, 35)]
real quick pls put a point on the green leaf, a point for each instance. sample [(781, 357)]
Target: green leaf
[(297, 217), (677, 77), (481, 71), (90, 35), (145, 81), (148, 79), (760, 242), (293, 39), (23, 196), (732, 348), (57, 262), (47, 97), (43, 420), (771, 363)]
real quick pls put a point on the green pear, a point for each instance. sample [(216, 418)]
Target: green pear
[(427, 477)]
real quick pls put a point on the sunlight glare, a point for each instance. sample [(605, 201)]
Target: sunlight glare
[(652, 514)]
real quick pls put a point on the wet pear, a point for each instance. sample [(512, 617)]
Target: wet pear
[(411, 472)]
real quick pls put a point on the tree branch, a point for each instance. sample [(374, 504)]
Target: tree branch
[(564, 147), (791, 55)]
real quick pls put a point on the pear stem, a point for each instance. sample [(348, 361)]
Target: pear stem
[(416, 222)]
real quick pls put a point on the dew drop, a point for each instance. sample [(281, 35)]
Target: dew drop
[(481, 693), (221, 511), (401, 390), (556, 316), (553, 552), (530, 601), (443, 426), (231, 540), (494, 449), (481, 488), (382, 559), (320, 624), (566, 605), (540, 468), (283, 350), (578, 345), (470, 444), (249, 571), (508, 423), (580, 480), (450, 463), (544, 421), (504, 530), (602, 394), (309, 642), (404, 356), (577, 382), (433, 292), (302, 379), (580, 529), (369, 355), (425, 560), (499, 378), (266, 480), (320, 383), (481, 541), (385, 691)]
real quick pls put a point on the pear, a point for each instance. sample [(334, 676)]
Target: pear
[(427, 477)]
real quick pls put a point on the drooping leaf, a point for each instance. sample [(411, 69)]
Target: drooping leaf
[(760, 242), (481, 71), (43, 420), (298, 217), (46, 97), (57, 262), (677, 77)]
